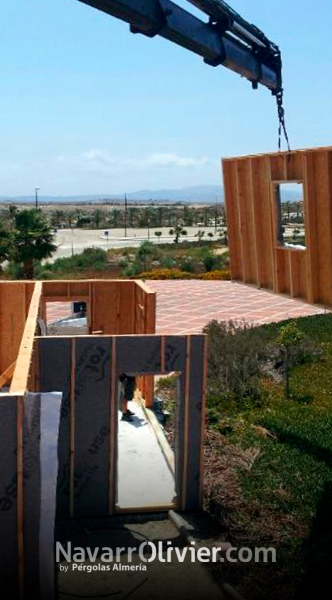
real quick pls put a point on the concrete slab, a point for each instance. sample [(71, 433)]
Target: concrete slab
[(155, 580), (144, 478)]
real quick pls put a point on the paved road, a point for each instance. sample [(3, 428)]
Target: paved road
[(70, 241)]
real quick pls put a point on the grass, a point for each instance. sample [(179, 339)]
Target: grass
[(191, 257), (283, 498)]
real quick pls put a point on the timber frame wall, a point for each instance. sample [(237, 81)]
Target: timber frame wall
[(256, 254), (114, 307), (85, 370)]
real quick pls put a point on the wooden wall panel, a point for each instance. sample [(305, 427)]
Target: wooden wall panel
[(311, 230), (294, 167), (323, 221), (15, 297), (261, 189), (282, 271), (254, 240), (105, 317), (245, 203), (127, 307), (277, 164), (233, 222)]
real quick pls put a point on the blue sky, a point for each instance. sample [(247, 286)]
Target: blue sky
[(87, 107)]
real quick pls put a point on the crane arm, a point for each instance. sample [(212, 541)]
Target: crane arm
[(226, 39)]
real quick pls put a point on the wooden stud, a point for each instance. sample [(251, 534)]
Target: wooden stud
[(162, 354), (20, 494), (72, 427), (233, 227), (113, 432), (184, 466), (204, 392)]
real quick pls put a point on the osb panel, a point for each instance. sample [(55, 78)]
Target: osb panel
[(255, 252)]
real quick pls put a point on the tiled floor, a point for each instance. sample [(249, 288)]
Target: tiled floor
[(186, 306)]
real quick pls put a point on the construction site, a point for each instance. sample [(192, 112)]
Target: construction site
[(87, 469)]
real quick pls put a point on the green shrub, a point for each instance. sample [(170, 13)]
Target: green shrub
[(237, 353), (223, 274), (165, 274)]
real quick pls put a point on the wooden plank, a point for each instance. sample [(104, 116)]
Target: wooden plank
[(324, 225), (113, 432), (72, 427), (143, 286), (282, 271), (20, 494), (246, 221), (260, 182), (20, 377), (7, 375), (203, 426), (126, 308), (55, 289), (183, 499), (232, 214), (257, 229), (311, 228), (13, 313), (162, 353), (105, 307), (65, 298), (294, 167), (278, 167)]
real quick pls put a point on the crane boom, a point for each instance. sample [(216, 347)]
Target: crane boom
[(226, 39)]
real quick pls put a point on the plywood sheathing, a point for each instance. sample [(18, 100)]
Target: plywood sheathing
[(256, 255), (7, 375), (15, 297), (116, 307)]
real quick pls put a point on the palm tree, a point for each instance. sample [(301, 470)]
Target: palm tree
[(177, 231), (32, 240)]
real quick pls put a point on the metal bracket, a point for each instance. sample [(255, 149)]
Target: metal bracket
[(154, 30)]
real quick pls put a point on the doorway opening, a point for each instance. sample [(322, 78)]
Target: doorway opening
[(145, 466)]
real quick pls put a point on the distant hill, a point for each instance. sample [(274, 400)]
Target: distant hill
[(202, 193)]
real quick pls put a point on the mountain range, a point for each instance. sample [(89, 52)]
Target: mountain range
[(203, 194)]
